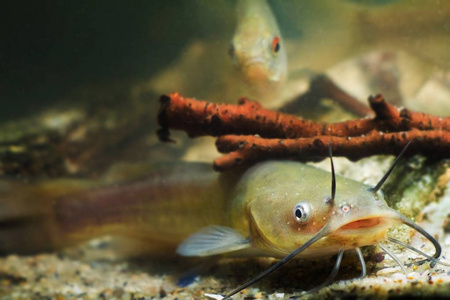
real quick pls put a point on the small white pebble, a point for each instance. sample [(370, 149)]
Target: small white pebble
[(447, 240), (279, 295), (77, 290), (214, 296), (387, 271)]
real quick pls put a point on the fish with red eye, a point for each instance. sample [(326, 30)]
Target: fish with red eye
[(256, 48)]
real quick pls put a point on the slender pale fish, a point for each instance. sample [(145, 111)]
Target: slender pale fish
[(279, 209), (257, 47)]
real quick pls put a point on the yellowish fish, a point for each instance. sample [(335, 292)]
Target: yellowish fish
[(257, 47), (276, 209), (322, 34)]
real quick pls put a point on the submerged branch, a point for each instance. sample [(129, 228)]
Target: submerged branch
[(249, 133)]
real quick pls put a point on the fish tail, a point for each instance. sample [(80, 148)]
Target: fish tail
[(52, 214), (29, 216)]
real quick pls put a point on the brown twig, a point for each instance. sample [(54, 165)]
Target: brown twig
[(322, 87), (250, 149), (200, 118), (250, 133), (381, 70)]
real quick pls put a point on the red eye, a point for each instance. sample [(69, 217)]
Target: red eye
[(276, 44)]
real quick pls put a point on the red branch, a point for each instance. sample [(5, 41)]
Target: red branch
[(280, 135), (251, 149)]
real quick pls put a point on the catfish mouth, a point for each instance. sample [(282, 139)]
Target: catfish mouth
[(362, 224), (376, 225), (365, 231)]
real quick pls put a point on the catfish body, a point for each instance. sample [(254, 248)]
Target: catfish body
[(252, 211), (162, 207)]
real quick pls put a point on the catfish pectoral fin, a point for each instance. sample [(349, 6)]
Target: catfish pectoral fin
[(213, 240)]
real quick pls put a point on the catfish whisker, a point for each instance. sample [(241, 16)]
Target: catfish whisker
[(392, 255), (362, 262), (332, 275), (323, 232), (329, 279), (435, 260), (335, 270), (437, 246)]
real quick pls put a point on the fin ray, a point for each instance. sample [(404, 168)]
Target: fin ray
[(213, 240)]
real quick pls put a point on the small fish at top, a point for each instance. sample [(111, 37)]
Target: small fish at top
[(257, 47)]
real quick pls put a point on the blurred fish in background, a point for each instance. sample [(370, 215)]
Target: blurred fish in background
[(257, 47), (272, 45)]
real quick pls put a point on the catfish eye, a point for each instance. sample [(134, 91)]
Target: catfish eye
[(276, 45), (302, 212)]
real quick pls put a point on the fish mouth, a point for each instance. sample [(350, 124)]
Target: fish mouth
[(361, 224), (254, 61), (256, 73), (367, 226), (361, 232)]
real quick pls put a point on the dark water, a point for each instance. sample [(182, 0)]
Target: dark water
[(49, 48)]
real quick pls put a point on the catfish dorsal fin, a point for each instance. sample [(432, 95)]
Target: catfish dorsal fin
[(213, 240)]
